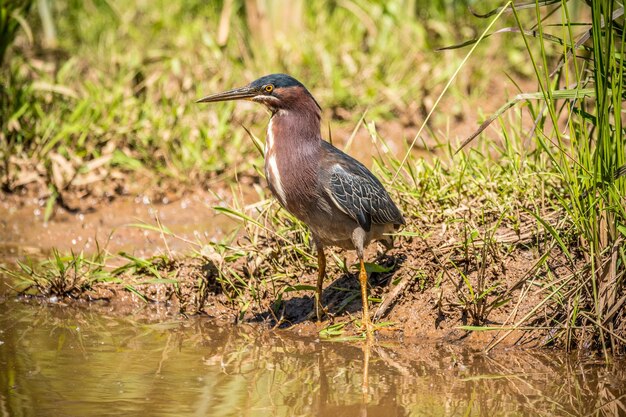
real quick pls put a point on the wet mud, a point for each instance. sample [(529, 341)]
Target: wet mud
[(114, 226)]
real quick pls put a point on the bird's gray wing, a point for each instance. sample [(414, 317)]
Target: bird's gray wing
[(359, 194)]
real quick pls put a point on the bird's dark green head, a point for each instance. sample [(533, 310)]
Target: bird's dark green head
[(277, 80), (275, 91)]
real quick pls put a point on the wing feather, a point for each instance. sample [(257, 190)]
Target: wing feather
[(359, 194)]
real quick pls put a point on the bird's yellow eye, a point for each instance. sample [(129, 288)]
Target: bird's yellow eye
[(269, 88)]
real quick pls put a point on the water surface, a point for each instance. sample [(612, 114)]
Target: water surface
[(61, 361)]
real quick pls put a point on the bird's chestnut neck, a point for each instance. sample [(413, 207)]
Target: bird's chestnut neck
[(296, 120)]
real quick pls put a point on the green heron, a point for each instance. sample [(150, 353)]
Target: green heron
[(338, 198)]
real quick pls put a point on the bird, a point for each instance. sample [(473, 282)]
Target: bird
[(337, 197)]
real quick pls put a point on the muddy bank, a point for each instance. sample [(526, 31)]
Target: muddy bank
[(113, 225), (417, 292), (419, 311)]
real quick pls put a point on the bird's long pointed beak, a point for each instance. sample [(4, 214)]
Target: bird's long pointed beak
[(235, 94)]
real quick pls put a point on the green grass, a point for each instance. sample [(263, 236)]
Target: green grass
[(12, 17), (64, 276), (119, 97), (578, 126)]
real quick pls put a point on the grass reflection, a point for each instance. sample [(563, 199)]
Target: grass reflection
[(59, 361)]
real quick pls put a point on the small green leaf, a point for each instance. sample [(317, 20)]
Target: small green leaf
[(152, 228), (50, 204), (372, 267), (236, 214), (300, 287), (125, 161), (137, 293), (333, 330), (160, 281)]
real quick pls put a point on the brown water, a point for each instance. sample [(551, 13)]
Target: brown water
[(56, 361), (113, 226)]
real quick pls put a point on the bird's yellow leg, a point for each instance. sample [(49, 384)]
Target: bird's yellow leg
[(367, 324), (321, 273)]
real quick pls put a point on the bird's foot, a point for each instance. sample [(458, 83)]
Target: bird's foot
[(368, 327)]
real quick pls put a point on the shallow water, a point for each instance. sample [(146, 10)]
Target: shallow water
[(113, 226), (60, 361)]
